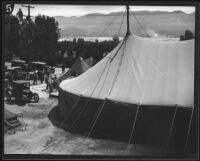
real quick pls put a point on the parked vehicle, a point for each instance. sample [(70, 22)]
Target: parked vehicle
[(21, 92), (36, 65), (40, 66), (15, 72), (50, 69), (18, 63)]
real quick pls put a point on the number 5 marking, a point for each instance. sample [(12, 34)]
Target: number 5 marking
[(9, 8)]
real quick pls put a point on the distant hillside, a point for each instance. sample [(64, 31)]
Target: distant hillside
[(156, 23)]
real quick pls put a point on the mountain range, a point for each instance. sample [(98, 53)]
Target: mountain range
[(144, 23)]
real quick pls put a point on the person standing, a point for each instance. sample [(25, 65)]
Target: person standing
[(50, 84), (35, 77), (46, 79), (42, 76), (63, 68)]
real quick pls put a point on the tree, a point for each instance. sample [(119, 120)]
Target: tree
[(46, 37), (116, 39), (11, 36), (188, 35), (26, 31)]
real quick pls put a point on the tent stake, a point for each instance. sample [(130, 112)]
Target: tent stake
[(189, 127), (97, 118), (133, 127), (171, 128)]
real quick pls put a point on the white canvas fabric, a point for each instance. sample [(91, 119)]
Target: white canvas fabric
[(143, 71)]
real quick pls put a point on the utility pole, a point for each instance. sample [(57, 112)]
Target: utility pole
[(127, 10), (29, 25)]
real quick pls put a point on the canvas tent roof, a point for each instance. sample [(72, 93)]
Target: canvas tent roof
[(141, 71), (78, 67)]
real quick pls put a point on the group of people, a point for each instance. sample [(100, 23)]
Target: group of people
[(45, 76), (38, 75)]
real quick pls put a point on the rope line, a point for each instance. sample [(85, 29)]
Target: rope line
[(140, 24), (171, 128), (133, 127), (118, 49), (190, 122), (94, 121), (88, 99), (96, 118), (62, 124), (76, 119), (100, 111), (69, 113), (121, 24), (110, 22), (109, 60), (118, 68)]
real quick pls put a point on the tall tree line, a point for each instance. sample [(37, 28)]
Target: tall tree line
[(38, 41), (32, 42)]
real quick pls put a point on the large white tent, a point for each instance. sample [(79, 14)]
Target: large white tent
[(143, 71), (141, 76)]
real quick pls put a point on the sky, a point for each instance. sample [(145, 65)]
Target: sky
[(80, 10)]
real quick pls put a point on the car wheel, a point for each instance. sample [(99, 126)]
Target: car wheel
[(35, 97), (24, 98)]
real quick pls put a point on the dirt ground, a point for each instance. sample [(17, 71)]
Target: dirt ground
[(37, 135)]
